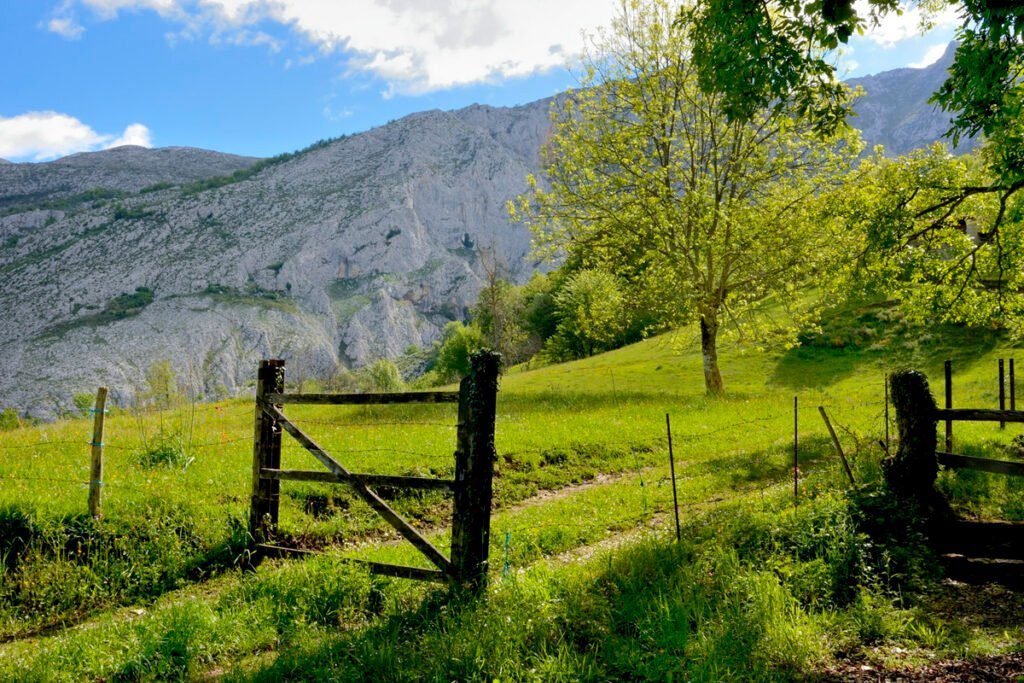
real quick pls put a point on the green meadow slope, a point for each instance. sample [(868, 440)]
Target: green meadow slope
[(586, 581)]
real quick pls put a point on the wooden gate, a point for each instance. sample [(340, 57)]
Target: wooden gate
[(471, 488), (949, 415), (972, 551)]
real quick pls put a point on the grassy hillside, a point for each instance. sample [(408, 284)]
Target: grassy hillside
[(582, 463)]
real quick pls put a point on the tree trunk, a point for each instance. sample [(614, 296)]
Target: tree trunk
[(709, 351)]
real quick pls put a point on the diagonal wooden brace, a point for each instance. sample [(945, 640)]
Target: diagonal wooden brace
[(364, 491)]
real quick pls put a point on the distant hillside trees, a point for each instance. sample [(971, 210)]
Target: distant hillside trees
[(700, 216)]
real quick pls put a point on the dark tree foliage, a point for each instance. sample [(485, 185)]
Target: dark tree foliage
[(758, 52)]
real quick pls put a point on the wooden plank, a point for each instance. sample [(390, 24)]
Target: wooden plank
[(365, 399), (403, 572), (396, 481), (980, 415), (955, 461), (380, 568), (271, 550), (949, 403), (835, 442), (364, 491)]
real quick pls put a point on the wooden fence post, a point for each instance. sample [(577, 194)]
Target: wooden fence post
[(948, 370), (474, 471), (912, 469), (796, 452), (1002, 390), (96, 470), (1013, 388), (265, 501)]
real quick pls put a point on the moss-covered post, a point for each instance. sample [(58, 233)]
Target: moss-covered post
[(265, 502), (474, 470), (911, 470)]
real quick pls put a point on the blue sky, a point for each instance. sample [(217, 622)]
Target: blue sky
[(259, 78)]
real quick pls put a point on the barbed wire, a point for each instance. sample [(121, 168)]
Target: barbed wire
[(43, 444)]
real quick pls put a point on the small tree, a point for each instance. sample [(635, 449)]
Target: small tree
[(458, 342), (161, 385), (384, 376), (651, 180), (591, 315)]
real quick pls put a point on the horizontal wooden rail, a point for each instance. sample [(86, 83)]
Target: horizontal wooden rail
[(980, 415), (956, 461), (365, 399), (403, 572), (395, 481), (381, 568)]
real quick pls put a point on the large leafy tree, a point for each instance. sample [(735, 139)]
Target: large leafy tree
[(939, 233), (650, 178), (758, 53)]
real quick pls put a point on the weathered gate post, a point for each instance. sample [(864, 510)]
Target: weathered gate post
[(912, 469), (474, 470), (265, 502)]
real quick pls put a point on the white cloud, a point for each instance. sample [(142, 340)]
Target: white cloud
[(931, 55), (135, 134), (413, 45), (66, 27), (108, 9), (894, 28), (41, 135)]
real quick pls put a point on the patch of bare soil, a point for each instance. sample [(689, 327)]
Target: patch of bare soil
[(990, 610), (1008, 667)]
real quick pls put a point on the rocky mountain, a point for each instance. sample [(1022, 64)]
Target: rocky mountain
[(122, 169), (347, 252), (895, 112), (352, 250)]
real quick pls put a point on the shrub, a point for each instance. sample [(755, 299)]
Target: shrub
[(83, 402), (383, 375), (457, 344), (9, 420), (166, 449)]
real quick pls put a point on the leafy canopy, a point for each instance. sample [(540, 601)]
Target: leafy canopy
[(650, 179)]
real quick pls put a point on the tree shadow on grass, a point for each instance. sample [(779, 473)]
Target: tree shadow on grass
[(657, 611), (856, 335), (767, 465)]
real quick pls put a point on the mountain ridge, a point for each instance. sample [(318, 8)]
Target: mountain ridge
[(350, 250)]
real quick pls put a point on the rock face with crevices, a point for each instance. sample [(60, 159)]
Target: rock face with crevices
[(348, 252), (895, 113)]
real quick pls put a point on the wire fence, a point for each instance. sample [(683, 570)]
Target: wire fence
[(640, 444)]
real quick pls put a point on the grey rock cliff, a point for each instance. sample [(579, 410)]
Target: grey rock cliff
[(894, 111), (351, 251), (127, 169)]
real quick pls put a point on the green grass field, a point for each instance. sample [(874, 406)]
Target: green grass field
[(582, 463)]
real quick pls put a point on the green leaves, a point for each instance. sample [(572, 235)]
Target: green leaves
[(651, 180)]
